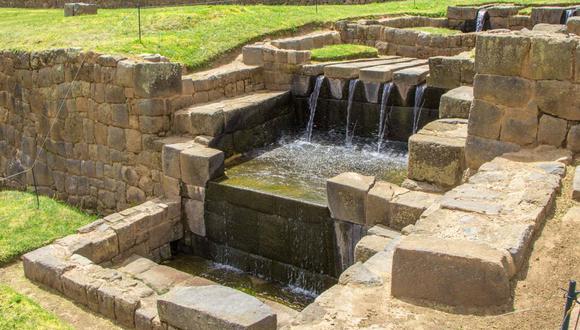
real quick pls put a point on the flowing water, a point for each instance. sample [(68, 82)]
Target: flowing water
[(312, 103), (418, 106), (298, 168), (384, 117), (567, 14), (288, 295), (351, 89), (480, 21)]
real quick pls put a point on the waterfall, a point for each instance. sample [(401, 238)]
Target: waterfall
[(351, 89), (383, 119), (312, 102), (418, 106), (567, 14), (480, 21)]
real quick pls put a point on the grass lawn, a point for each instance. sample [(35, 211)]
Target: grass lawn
[(435, 30), (19, 312), (24, 228), (193, 35), (343, 52)]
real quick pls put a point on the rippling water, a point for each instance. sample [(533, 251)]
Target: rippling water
[(298, 168)]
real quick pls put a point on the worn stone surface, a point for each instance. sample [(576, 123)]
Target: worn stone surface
[(377, 203), (359, 274), (351, 70), (456, 273), (370, 245), (384, 73), (552, 130), (436, 152), (204, 308), (157, 79), (199, 165), (405, 209), (456, 103), (347, 195)]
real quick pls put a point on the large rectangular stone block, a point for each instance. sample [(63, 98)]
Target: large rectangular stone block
[(200, 164), (347, 196), (214, 307), (455, 273), (551, 57), (161, 79), (501, 54)]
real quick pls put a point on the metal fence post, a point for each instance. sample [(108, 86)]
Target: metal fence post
[(570, 298)]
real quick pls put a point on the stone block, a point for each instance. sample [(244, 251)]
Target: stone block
[(551, 58), (451, 272), (74, 284), (484, 120), (501, 54), (347, 196), (573, 139), (171, 156), (546, 15), (370, 245), (405, 209), (552, 130), (200, 164), (444, 72), (576, 185), (377, 205), (214, 307), (162, 278), (573, 25), (47, 265), (436, 152), (157, 79), (253, 54), (360, 274), (480, 150), (558, 98), (519, 126), (503, 90), (194, 215), (456, 103)]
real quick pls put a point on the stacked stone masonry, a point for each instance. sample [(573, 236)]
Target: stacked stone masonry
[(390, 37), (465, 250), (100, 115), (525, 94)]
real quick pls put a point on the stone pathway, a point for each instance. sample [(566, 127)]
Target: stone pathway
[(71, 313), (365, 303)]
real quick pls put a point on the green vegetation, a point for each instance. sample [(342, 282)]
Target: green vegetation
[(436, 30), (343, 52), (194, 35), (25, 228), (19, 312)]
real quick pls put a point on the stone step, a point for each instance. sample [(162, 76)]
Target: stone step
[(229, 115), (378, 240), (351, 70), (384, 73), (437, 152), (456, 103), (309, 41), (407, 78), (228, 80), (448, 72), (466, 251)]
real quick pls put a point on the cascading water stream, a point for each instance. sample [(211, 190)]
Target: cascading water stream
[(567, 14), (383, 118), (351, 89), (312, 103), (418, 106), (480, 21)]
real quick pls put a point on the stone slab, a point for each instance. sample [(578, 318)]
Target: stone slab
[(384, 73), (456, 103), (214, 307), (370, 245), (351, 70), (347, 195), (452, 272)]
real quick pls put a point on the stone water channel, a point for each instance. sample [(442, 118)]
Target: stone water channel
[(268, 215)]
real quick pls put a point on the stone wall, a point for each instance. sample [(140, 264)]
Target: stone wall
[(390, 37), (498, 17), (149, 3), (526, 91), (100, 151)]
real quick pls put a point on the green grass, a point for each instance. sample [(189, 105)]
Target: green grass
[(436, 30), (24, 228), (193, 35), (19, 312), (343, 52)]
